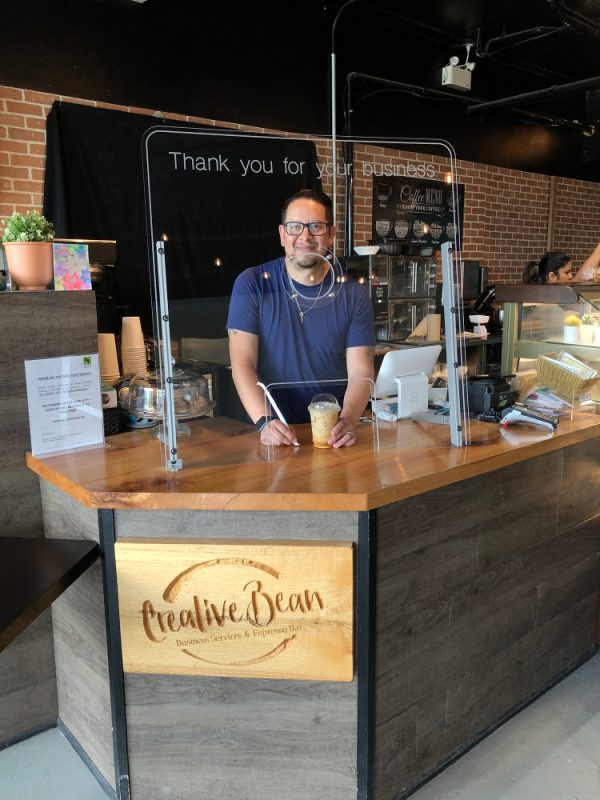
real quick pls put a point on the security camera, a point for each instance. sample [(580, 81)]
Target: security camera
[(454, 61)]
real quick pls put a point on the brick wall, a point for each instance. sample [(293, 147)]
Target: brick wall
[(576, 217), (509, 214)]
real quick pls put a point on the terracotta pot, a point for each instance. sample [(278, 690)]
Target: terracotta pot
[(30, 264)]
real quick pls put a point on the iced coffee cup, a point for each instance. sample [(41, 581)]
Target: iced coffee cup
[(324, 412)]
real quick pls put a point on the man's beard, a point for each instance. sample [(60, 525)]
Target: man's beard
[(309, 260)]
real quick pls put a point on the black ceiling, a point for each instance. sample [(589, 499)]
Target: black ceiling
[(267, 63), (517, 46)]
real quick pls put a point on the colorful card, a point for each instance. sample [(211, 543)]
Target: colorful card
[(71, 267)]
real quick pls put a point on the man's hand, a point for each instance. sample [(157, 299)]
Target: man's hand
[(343, 434), (276, 433)]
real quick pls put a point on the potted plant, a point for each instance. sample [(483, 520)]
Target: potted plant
[(586, 332), (572, 324), (27, 240)]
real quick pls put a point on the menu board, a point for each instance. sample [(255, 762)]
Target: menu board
[(418, 212)]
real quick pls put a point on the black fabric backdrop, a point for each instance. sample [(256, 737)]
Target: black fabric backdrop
[(96, 187)]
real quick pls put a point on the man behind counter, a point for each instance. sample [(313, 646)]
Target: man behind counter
[(292, 320)]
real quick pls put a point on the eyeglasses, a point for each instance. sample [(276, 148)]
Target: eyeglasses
[(314, 228)]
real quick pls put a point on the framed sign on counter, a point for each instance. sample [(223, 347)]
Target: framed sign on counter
[(64, 403), (416, 212)]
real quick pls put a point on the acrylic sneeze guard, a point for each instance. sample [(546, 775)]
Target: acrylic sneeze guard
[(213, 202)]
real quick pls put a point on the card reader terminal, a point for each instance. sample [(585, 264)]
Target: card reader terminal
[(521, 413)]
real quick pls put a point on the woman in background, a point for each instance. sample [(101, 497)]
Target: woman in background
[(553, 267), (556, 267)]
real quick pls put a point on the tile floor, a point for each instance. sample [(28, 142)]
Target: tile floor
[(550, 751), (46, 767)]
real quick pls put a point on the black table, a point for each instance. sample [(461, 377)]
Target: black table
[(33, 573)]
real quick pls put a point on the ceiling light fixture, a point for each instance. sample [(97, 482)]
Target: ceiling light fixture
[(456, 75)]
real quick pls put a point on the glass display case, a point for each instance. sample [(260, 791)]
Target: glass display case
[(412, 276), (554, 330), (405, 315), (541, 319), (402, 289)]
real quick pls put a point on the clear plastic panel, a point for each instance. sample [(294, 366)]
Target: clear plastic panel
[(214, 202), (281, 399)]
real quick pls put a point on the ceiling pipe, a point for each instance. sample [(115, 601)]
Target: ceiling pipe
[(517, 38), (550, 91), (473, 102)]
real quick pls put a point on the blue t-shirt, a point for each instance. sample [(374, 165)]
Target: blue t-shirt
[(290, 349)]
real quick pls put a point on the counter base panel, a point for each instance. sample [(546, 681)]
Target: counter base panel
[(483, 593), (267, 739), (487, 592), (243, 739), (84, 702)]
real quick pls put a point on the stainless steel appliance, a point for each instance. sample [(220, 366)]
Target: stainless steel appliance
[(372, 271), (403, 289), (413, 280), (412, 276)]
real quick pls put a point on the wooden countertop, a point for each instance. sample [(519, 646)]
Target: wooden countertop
[(226, 468)]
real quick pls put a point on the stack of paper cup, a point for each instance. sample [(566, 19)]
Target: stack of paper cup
[(107, 353), (133, 350)]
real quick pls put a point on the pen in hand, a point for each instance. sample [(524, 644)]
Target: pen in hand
[(275, 408)]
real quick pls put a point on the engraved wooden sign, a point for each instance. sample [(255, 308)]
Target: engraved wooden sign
[(254, 609)]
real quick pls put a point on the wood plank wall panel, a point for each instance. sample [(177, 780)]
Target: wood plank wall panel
[(580, 490), (65, 518), (482, 600), (28, 683), (32, 325), (302, 733), (82, 668), (80, 637), (240, 739), (319, 525)]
